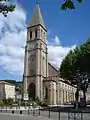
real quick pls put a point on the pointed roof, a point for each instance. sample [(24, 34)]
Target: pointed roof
[(37, 18)]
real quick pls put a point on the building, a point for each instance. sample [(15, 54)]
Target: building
[(88, 93), (41, 79), (7, 90)]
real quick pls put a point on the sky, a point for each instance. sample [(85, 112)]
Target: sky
[(65, 31)]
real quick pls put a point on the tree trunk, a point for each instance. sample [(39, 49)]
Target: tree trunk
[(76, 97), (84, 96)]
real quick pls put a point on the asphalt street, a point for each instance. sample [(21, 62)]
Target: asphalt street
[(44, 115), (6, 116)]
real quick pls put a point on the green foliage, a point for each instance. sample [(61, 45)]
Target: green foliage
[(69, 4), (5, 7), (43, 104), (34, 104), (75, 66), (1, 103), (8, 101), (22, 103), (37, 101)]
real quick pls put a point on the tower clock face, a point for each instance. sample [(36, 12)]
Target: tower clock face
[(32, 46)]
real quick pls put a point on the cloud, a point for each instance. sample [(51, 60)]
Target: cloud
[(57, 40), (57, 52), (12, 42), (54, 41)]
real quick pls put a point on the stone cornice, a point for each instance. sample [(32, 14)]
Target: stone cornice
[(36, 39)]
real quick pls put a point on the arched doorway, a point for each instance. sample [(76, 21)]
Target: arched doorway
[(31, 91), (46, 93)]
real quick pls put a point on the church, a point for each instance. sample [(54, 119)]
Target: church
[(40, 77)]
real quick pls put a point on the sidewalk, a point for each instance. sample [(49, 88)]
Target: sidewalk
[(6, 116), (21, 108)]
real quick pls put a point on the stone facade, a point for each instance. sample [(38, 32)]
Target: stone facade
[(41, 79), (7, 90), (88, 93)]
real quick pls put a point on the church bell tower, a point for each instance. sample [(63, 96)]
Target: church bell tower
[(35, 61)]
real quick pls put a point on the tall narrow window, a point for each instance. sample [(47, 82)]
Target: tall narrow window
[(44, 35), (41, 33), (35, 33), (46, 96), (30, 34), (32, 58)]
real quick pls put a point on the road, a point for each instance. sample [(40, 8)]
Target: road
[(6, 116), (44, 115)]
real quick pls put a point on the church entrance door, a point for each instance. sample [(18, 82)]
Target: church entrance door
[(31, 91)]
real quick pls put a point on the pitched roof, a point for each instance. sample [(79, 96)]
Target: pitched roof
[(37, 18), (4, 82), (55, 68)]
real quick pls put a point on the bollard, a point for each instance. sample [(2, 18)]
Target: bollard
[(33, 112), (6, 108), (68, 116), (74, 115), (20, 112), (1, 109), (49, 112), (59, 114), (13, 112), (81, 115), (39, 111), (28, 111)]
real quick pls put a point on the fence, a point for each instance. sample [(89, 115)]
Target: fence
[(55, 113)]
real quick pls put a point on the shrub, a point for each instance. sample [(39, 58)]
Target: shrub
[(1, 103), (44, 105), (37, 101), (8, 101)]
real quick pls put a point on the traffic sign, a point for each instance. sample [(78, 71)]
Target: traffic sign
[(25, 97), (19, 96)]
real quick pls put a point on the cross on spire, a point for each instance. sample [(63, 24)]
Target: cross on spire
[(37, 2)]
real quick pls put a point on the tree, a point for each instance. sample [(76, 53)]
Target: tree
[(5, 7), (75, 67), (69, 4)]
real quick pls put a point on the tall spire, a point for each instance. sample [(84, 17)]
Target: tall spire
[(37, 17)]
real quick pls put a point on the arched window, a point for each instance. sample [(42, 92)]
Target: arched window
[(41, 33), (32, 58), (35, 33), (46, 95), (30, 34), (44, 35)]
